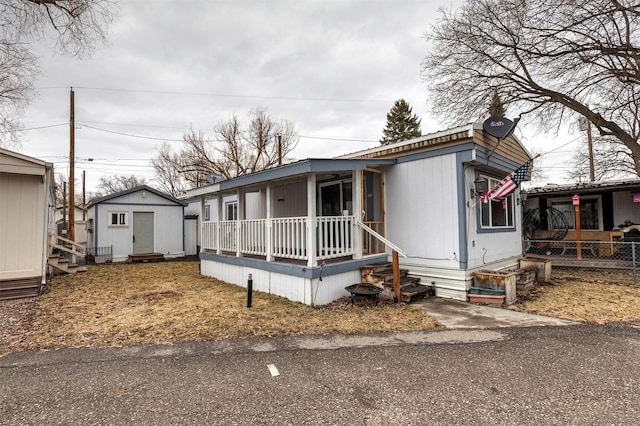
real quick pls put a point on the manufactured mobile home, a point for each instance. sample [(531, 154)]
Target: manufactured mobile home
[(320, 220), (26, 218)]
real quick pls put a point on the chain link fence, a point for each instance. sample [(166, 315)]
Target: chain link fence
[(607, 261)]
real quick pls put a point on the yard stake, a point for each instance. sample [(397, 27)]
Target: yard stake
[(249, 290)]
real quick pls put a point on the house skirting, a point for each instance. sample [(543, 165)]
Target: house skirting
[(317, 285), (452, 283)]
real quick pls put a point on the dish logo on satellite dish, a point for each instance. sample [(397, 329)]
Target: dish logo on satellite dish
[(498, 127)]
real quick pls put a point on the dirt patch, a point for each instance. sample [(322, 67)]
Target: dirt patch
[(157, 303)]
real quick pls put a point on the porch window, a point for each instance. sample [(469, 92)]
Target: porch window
[(497, 214), (207, 212), (588, 212), (118, 219), (231, 210)]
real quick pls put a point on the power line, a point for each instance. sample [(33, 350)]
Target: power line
[(228, 95)]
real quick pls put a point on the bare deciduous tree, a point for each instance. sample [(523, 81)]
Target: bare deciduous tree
[(235, 152), (78, 25), (548, 59), (611, 160), (117, 183)]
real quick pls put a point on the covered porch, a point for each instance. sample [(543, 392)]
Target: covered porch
[(301, 230)]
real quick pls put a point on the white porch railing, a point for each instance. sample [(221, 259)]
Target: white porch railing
[(334, 237), (253, 237), (228, 235), (210, 236), (290, 237)]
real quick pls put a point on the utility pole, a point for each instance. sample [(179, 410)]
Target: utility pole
[(279, 150), (592, 173), (84, 195), (72, 154)]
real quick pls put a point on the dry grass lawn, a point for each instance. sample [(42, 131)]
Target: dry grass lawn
[(595, 298), (126, 304)]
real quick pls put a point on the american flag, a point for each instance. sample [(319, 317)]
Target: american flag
[(508, 185)]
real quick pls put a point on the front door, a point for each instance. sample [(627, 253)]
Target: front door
[(142, 232)]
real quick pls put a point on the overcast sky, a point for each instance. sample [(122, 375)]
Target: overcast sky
[(332, 67)]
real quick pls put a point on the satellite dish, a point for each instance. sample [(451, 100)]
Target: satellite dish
[(214, 177), (498, 127)]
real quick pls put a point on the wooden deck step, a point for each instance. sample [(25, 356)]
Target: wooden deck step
[(146, 257)]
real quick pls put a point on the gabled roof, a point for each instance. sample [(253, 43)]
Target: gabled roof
[(132, 190)]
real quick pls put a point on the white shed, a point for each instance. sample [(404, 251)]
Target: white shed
[(26, 217), (139, 220)]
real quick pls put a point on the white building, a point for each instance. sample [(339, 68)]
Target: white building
[(304, 229), (140, 220)]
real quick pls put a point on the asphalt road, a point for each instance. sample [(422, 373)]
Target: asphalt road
[(578, 375)]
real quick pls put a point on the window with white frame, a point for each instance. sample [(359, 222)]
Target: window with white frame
[(118, 219), (497, 214), (231, 210), (589, 217), (207, 212)]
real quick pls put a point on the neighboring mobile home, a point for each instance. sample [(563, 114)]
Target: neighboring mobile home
[(320, 220), (604, 205), (139, 220), (26, 217)]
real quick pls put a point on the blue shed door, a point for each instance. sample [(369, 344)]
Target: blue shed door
[(142, 232)]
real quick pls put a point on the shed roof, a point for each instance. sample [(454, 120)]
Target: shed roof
[(585, 187)]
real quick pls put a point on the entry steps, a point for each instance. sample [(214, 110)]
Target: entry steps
[(62, 264), (381, 276)]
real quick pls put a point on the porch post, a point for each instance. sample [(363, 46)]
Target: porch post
[(269, 224), (356, 199), (200, 239), (239, 219), (218, 227), (311, 220)]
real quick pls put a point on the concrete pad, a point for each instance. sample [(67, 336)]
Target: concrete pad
[(457, 314)]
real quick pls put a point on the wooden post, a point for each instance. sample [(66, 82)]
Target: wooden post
[(576, 206), (72, 166), (396, 276)]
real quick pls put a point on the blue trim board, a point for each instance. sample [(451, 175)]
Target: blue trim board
[(295, 270), (301, 168), (461, 159)]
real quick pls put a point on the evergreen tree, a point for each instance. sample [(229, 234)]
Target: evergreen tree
[(402, 124), (496, 107)]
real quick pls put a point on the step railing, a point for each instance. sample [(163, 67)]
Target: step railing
[(68, 246), (382, 239), (394, 256)]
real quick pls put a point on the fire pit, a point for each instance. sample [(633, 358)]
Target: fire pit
[(364, 289)]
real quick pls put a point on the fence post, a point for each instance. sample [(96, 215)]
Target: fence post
[(633, 261)]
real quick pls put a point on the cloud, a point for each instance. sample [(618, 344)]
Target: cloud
[(333, 68)]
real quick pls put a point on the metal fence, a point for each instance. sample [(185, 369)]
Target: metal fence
[(605, 261), (96, 255)]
